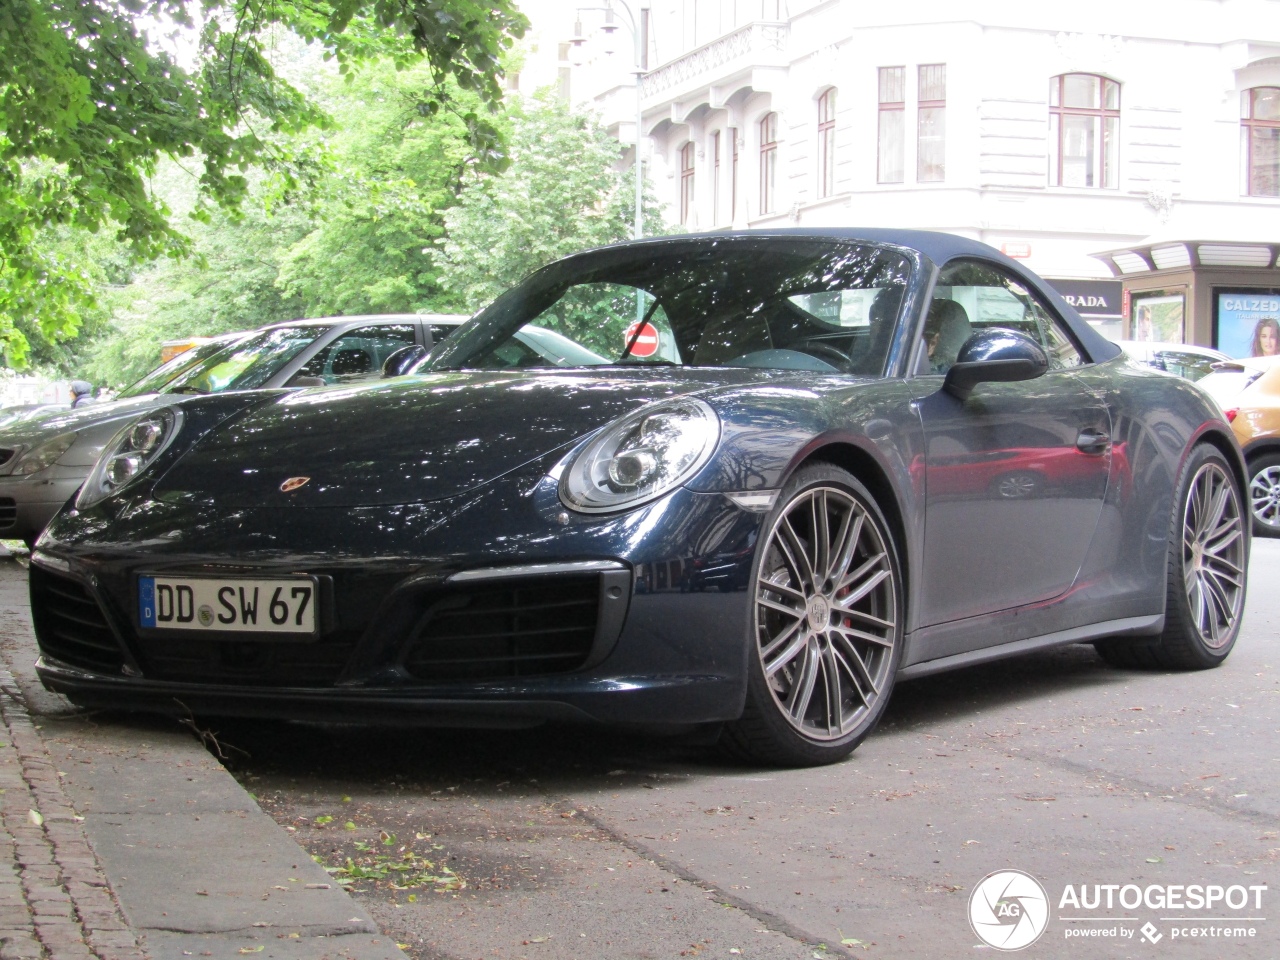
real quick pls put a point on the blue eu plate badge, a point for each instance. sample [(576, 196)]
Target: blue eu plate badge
[(147, 601)]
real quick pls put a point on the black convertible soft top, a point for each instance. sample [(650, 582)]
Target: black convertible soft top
[(940, 248)]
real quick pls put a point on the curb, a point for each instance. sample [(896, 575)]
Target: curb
[(128, 841)]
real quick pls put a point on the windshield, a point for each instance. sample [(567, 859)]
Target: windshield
[(247, 364), (732, 302), (162, 374)]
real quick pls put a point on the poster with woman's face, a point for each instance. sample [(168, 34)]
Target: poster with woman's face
[(1158, 318), (1249, 324)]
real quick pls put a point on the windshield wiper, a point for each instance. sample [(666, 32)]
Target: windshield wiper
[(187, 388)]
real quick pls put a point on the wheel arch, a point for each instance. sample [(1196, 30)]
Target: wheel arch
[(871, 473), (1261, 448), (1227, 446)]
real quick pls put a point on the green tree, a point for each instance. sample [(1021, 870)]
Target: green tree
[(89, 104), (561, 193), (397, 167), (229, 283)]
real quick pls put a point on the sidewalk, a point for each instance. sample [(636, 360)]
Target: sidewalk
[(122, 839)]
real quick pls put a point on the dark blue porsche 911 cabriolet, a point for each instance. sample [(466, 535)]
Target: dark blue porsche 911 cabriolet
[(807, 464)]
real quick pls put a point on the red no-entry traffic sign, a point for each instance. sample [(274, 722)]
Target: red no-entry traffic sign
[(646, 345)]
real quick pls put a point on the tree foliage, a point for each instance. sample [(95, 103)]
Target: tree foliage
[(560, 194), (396, 169), (90, 103)]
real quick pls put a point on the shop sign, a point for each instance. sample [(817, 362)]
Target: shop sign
[(1099, 299)]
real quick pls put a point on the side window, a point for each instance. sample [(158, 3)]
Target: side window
[(972, 296), (1189, 365), (438, 331), (358, 353)]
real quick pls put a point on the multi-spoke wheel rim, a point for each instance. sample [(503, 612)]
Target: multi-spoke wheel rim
[(1264, 496), (826, 613), (1213, 554), (1017, 486)]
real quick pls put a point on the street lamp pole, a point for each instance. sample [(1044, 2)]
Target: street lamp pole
[(636, 26)]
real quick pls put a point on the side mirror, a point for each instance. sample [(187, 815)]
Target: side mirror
[(994, 356), (400, 361)]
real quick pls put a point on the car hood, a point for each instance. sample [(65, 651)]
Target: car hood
[(94, 422), (413, 439)]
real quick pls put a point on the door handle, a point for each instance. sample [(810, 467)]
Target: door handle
[(1093, 441)]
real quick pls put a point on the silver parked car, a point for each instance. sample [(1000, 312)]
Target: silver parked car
[(44, 458), (1185, 360)]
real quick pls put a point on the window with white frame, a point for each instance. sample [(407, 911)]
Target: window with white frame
[(768, 163), (1260, 133), (1084, 131), (686, 183), (715, 177), (931, 123), (827, 143), (733, 173), (890, 164)]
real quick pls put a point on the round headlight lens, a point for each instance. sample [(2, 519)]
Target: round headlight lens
[(640, 457), (129, 454)]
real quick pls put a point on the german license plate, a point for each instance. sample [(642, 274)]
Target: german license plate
[(227, 606)]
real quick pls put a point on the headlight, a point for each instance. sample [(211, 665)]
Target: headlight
[(129, 454), (641, 457), (43, 456)]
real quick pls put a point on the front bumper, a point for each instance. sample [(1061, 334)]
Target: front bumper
[(617, 700), (661, 656), (27, 504)]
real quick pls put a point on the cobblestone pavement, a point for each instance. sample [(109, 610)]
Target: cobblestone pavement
[(54, 900), (122, 838)]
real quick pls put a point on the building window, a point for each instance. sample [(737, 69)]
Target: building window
[(1260, 129), (715, 178), (768, 162), (686, 183), (827, 143), (931, 124), (893, 104), (1084, 131), (733, 174)]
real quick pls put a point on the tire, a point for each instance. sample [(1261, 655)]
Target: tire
[(1264, 495), (826, 624), (1205, 582)]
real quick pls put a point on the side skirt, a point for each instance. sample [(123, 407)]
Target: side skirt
[(1126, 627)]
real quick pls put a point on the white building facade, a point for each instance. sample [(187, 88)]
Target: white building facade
[(1051, 131)]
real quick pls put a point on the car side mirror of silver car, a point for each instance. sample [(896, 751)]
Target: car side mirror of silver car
[(401, 360), (994, 355)]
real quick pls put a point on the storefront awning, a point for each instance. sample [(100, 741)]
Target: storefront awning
[(1157, 255)]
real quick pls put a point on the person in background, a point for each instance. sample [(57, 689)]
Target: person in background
[(1266, 338), (81, 390)]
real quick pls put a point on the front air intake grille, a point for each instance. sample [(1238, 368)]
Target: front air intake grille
[(8, 512), (69, 624), (506, 628)]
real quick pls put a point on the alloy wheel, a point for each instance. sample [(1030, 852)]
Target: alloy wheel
[(1213, 554), (1264, 496), (826, 613)]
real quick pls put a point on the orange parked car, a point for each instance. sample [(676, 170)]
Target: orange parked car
[(1249, 391)]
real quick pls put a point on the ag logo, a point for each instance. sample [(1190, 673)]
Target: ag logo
[(1008, 910), (293, 483)]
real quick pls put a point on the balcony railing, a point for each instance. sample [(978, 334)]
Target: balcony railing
[(761, 37)]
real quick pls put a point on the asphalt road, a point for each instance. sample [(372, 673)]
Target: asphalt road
[(572, 843)]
